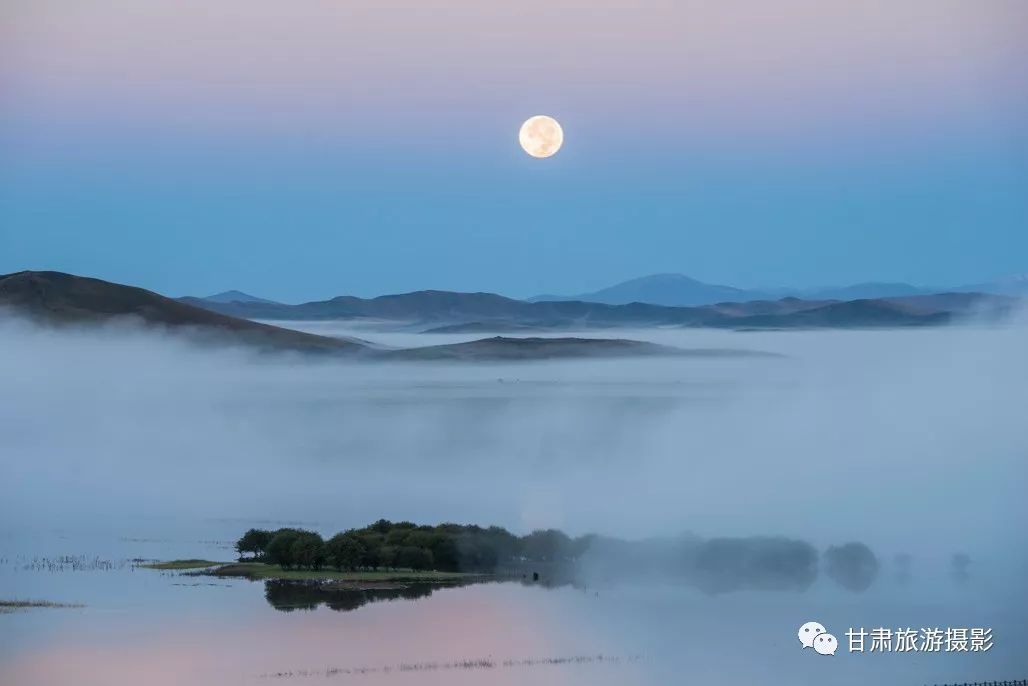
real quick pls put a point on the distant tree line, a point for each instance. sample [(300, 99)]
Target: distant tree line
[(715, 565), (404, 545)]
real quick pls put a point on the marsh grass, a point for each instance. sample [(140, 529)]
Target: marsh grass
[(70, 563), (465, 664), (16, 605)]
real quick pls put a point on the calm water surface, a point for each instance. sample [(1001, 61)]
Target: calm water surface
[(912, 442), (146, 626)]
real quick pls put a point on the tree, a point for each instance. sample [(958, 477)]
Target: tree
[(447, 546), (254, 541), (446, 553), (345, 551), (308, 550), (546, 545), (279, 548), (420, 538), (371, 543), (387, 556), (853, 566), (721, 565), (414, 558), (580, 546), (505, 543)]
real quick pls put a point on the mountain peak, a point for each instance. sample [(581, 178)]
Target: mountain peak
[(668, 277), (234, 296), (669, 289)]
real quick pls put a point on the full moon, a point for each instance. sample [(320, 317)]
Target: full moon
[(541, 136)]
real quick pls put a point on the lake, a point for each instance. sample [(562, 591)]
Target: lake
[(147, 626), (136, 447)]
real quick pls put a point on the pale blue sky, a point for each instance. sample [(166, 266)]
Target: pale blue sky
[(370, 156)]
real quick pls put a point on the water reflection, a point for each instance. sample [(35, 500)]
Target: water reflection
[(504, 634), (288, 596)]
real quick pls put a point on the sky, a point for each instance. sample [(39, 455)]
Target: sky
[(302, 150)]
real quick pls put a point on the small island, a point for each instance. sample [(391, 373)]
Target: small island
[(388, 552), (386, 560), (301, 570)]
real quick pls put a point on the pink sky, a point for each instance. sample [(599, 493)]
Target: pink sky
[(365, 68)]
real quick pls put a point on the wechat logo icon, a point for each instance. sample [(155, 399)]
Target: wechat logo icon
[(814, 635)]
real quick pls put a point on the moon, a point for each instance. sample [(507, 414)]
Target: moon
[(541, 136)]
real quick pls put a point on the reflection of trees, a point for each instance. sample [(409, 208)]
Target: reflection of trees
[(302, 595), (287, 596)]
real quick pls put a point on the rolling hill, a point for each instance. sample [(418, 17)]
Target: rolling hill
[(59, 299), (500, 348)]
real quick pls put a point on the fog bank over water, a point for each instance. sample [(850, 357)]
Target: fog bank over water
[(910, 441)]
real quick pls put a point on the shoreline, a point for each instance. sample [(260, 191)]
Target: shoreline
[(378, 579)]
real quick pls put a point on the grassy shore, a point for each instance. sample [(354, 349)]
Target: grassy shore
[(259, 570)]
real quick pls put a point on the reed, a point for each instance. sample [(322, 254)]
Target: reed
[(464, 664), (15, 605)]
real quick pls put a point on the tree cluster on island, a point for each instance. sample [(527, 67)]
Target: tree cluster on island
[(714, 565), (405, 545)]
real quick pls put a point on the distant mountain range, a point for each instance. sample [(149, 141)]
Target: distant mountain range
[(679, 290), (448, 312), (672, 290), (58, 299), (669, 290), (1016, 285), (427, 305)]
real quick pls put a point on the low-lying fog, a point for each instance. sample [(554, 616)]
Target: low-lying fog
[(912, 441), (118, 443)]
